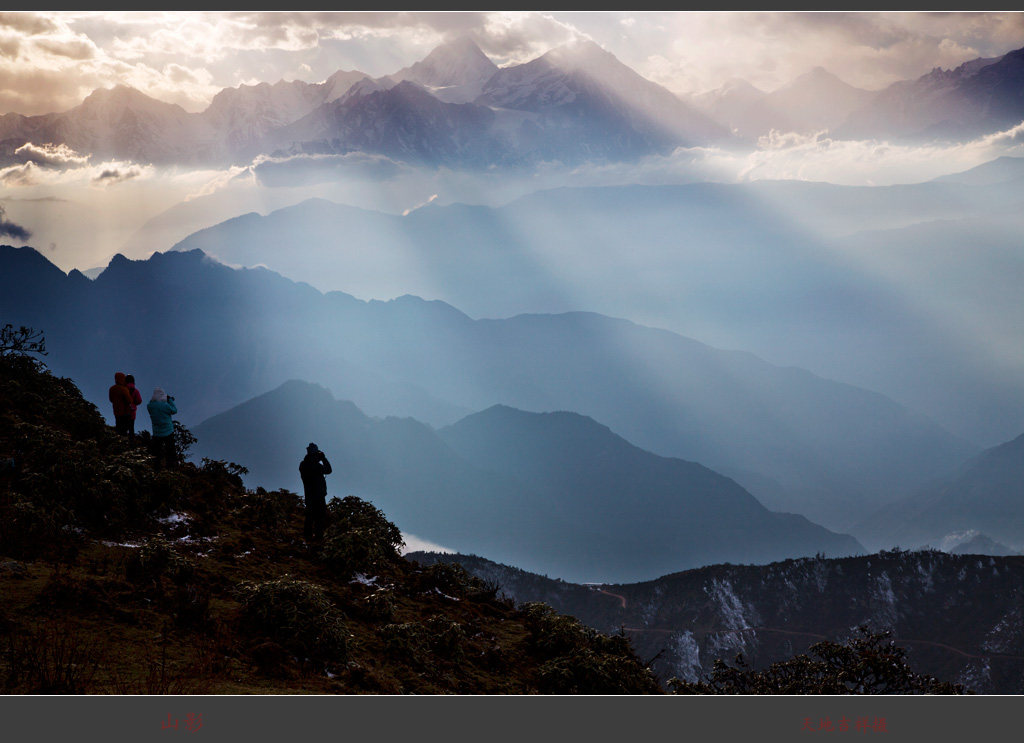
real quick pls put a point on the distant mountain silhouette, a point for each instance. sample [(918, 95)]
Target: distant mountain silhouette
[(734, 265), (1001, 170), (556, 493), (216, 336), (985, 497), (814, 101), (970, 542), (404, 122), (978, 97)]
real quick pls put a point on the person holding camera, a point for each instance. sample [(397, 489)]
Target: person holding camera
[(312, 470), (161, 407)]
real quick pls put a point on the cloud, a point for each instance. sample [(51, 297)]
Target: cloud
[(27, 23), (10, 229), (115, 173), (27, 174), (58, 165), (1010, 138), (303, 170), (695, 52), (211, 183), (520, 37), (417, 544), (74, 49), (408, 211), (816, 157), (59, 155)]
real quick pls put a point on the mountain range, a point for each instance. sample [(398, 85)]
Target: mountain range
[(456, 108), (978, 97), (219, 336), (958, 616), (556, 493), (573, 103), (881, 287)]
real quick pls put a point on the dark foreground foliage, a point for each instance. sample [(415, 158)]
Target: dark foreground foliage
[(868, 664), (118, 578)]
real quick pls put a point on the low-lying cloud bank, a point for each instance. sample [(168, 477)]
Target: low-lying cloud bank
[(377, 182)]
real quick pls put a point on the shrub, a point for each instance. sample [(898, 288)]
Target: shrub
[(380, 605), (586, 671), (270, 512), (297, 615), (218, 469), (155, 559), (581, 660), (868, 664), (359, 539), (451, 579), (55, 658), (354, 513), (446, 638), (183, 441), (407, 642)]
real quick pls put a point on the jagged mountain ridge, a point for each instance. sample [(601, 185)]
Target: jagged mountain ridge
[(959, 616), (978, 97), (428, 360), (608, 121), (455, 71), (573, 103), (557, 493)]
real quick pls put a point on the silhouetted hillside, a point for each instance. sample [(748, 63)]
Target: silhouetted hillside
[(117, 578)]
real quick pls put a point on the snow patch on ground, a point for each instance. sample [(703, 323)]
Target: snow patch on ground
[(174, 518), (1005, 636)]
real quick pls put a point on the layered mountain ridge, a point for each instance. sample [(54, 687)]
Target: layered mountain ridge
[(557, 493), (218, 336)]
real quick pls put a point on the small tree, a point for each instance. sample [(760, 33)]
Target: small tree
[(22, 341), (183, 440)]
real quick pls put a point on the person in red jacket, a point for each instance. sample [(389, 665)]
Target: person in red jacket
[(121, 398), (129, 381)]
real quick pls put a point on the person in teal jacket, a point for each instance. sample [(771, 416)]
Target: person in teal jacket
[(161, 407)]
